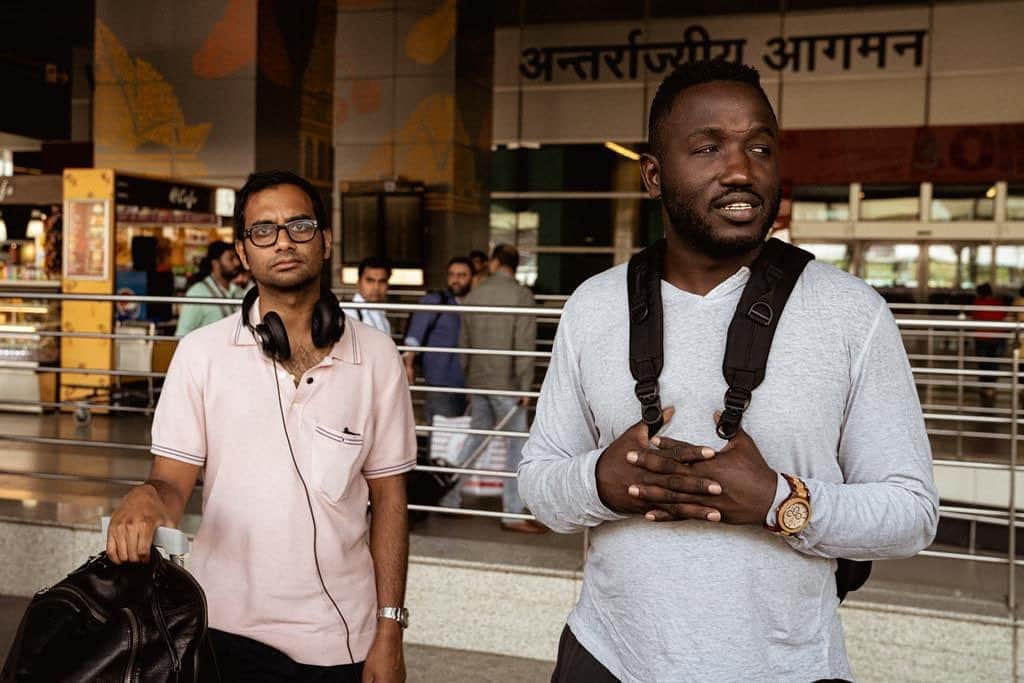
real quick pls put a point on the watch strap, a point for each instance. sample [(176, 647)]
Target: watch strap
[(399, 614)]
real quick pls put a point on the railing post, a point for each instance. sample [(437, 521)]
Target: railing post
[(1012, 508), (960, 386), (928, 390)]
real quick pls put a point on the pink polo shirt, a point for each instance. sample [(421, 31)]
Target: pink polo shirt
[(349, 420)]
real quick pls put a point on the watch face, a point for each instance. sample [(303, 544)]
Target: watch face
[(796, 516)]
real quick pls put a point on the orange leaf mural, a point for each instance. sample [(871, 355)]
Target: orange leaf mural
[(432, 146), (429, 38), (366, 96), (138, 107), (231, 44)]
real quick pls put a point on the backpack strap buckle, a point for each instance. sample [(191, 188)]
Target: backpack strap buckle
[(761, 313), (737, 399), (650, 405)]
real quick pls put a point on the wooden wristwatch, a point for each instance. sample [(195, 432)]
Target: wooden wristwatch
[(794, 513)]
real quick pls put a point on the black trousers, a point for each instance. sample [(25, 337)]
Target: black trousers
[(237, 658), (576, 665)]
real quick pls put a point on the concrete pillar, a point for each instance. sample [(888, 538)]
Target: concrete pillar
[(413, 103)]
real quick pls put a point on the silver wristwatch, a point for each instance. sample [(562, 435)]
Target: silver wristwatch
[(399, 614)]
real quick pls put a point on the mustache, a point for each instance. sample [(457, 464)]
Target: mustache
[(288, 256)]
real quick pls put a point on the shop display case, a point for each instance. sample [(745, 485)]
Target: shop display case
[(23, 350), (30, 245)]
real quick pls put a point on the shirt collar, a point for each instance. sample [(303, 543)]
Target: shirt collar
[(345, 349)]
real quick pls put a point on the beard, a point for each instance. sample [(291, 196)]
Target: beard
[(695, 230)]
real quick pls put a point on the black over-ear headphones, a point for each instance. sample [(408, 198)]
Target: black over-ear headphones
[(328, 325)]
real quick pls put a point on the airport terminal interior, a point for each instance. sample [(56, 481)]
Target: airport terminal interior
[(433, 129)]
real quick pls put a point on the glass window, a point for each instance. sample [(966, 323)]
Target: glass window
[(837, 255), (403, 235), (943, 266), (1015, 202), (652, 226), (975, 265), (821, 203), (1009, 266), (574, 222), (568, 168), (563, 273), (890, 203), (503, 222), (963, 202), (358, 227), (891, 265), (387, 225)]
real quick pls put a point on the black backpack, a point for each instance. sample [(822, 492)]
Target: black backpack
[(772, 277), (107, 622)]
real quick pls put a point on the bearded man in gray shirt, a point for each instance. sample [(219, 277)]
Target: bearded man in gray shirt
[(685, 580)]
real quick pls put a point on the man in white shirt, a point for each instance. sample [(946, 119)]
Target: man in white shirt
[(374, 274)]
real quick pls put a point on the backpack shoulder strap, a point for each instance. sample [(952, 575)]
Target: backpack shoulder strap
[(772, 277), (646, 353), (443, 300)]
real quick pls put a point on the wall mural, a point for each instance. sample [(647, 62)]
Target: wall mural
[(429, 141), (176, 87), (140, 124), (231, 44)]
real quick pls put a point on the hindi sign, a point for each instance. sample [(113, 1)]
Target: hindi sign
[(624, 61), (87, 229)]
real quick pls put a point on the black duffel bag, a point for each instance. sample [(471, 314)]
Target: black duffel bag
[(107, 622)]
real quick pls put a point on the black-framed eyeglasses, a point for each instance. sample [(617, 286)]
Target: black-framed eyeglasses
[(265, 234)]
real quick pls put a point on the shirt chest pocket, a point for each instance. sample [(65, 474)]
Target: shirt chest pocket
[(337, 459)]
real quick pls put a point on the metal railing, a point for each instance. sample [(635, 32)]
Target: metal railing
[(942, 369)]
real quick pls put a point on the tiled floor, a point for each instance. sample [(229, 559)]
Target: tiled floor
[(424, 664)]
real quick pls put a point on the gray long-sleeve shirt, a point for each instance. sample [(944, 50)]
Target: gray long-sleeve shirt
[(696, 600)]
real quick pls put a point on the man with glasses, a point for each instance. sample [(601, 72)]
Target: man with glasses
[(301, 583)]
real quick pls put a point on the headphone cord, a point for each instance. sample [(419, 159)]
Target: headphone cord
[(312, 516)]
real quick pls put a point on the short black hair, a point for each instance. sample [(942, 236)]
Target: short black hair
[(217, 249), (476, 253), (264, 180), (460, 259), (507, 255), (374, 262), (696, 73)]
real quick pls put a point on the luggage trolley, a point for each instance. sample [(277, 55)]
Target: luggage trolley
[(174, 542)]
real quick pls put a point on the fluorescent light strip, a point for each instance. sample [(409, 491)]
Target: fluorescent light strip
[(624, 151)]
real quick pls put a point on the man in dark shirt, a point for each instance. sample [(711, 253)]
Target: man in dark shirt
[(440, 330)]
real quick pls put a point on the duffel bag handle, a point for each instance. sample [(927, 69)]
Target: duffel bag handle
[(173, 541)]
